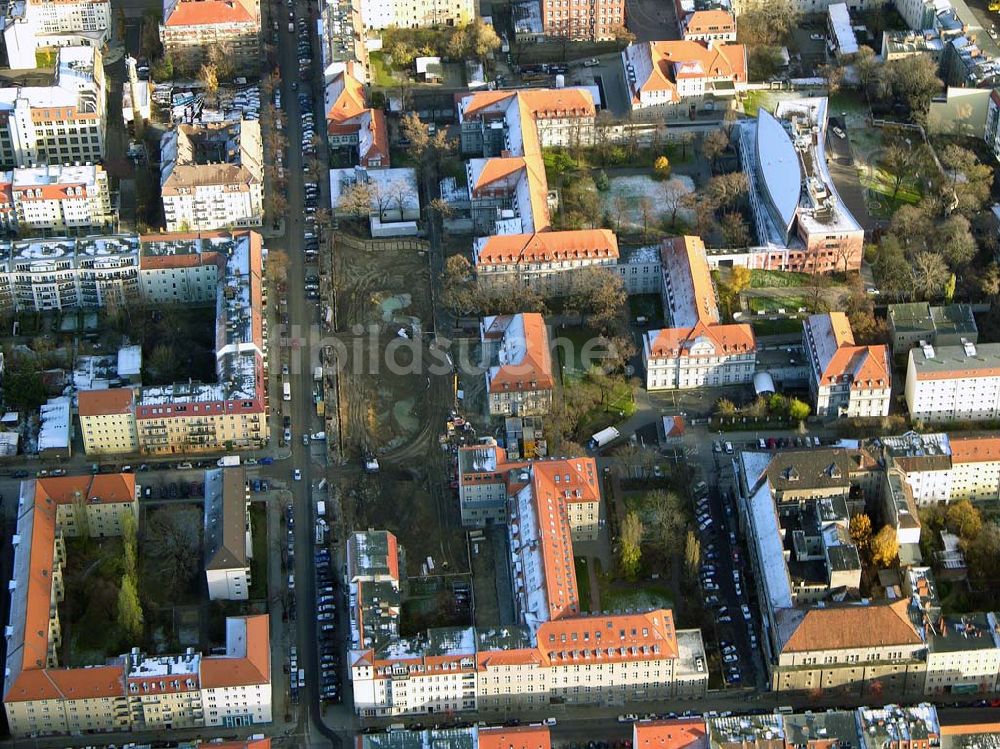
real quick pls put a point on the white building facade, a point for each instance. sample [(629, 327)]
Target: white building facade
[(953, 383)]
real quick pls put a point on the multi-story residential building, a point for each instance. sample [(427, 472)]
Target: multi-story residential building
[(62, 274), (907, 727), (107, 421), (715, 25), (132, 692), (212, 176), (925, 462), (596, 21), (975, 461), (662, 74), (545, 260), (30, 26), (845, 380), (519, 380), (374, 561), (898, 45), (913, 322), (381, 14), (228, 547), (696, 351), (681, 733), (191, 416), (507, 130), (963, 654), (953, 383), (555, 653), (191, 28), (60, 123), (992, 132), (352, 123), (798, 214), (61, 198), (342, 39), (921, 14)]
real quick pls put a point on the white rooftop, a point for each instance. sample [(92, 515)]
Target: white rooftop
[(55, 175), (55, 424), (840, 22)]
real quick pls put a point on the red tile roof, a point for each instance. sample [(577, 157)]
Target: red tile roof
[(534, 370), (627, 637), (209, 12), (695, 60), (851, 627), (974, 449), (519, 737), (710, 22), (253, 667), (548, 247), (686, 733), (735, 338), (104, 402)]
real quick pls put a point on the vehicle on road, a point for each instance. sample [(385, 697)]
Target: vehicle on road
[(297, 475), (593, 62), (817, 37), (839, 133), (603, 437)]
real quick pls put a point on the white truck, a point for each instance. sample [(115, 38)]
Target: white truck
[(286, 391), (228, 460), (603, 437), (318, 374), (321, 508)]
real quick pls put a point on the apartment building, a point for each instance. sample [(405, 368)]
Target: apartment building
[(342, 38), (60, 123), (947, 325), (38, 275), (953, 383), (191, 28), (963, 654), (507, 130), (801, 222), (845, 380), (555, 653), (975, 461), (230, 413), (61, 198), (519, 380), (597, 21), (374, 561), (107, 421), (546, 260), (681, 733), (212, 175), (382, 14), (132, 692), (696, 351), (228, 547), (351, 123), (662, 74), (30, 26), (715, 25)]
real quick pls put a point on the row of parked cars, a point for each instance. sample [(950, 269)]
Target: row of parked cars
[(326, 614)]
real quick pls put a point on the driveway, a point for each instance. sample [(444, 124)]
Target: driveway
[(840, 162)]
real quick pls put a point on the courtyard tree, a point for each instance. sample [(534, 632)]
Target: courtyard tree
[(964, 519), (982, 555), (914, 81), (727, 190), (220, 54), (735, 230), (666, 513), (725, 408), (630, 545), (23, 387), (208, 76), (768, 22), (901, 162), (356, 200), (673, 197), (692, 555), (968, 177), (885, 547), (172, 547), (930, 273), (415, 130), (866, 65), (661, 167), (798, 410), (130, 615), (954, 237), (714, 145), (861, 530), (130, 547), (80, 515), (475, 39)]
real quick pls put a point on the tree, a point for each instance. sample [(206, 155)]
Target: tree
[(149, 35), (735, 230), (768, 22), (954, 238), (415, 130), (970, 179), (797, 410), (912, 226), (23, 387), (930, 273), (982, 554), (220, 54), (964, 519), (885, 547), (949, 288), (630, 551), (130, 549), (80, 515), (356, 200), (401, 195), (901, 162), (163, 69), (661, 167), (867, 66), (172, 547), (162, 364), (725, 407), (474, 40), (673, 196), (861, 530), (727, 190), (891, 268), (714, 145), (684, 140), (739, 279), (989, 280), (130, 609), (764, 62), (913, 81), (208, 75), (692, 554)]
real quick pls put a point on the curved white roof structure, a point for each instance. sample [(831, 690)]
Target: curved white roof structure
[(778, 169), (762, 383)]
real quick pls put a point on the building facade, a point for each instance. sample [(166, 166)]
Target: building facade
[(953, 383), (661, 74), (192, 29), (57, 124), (381, 14), (715, 25), (228, 546), (845, 380), (351, 123), (31, 26), (61, 198), (596, 21), (519, 380), (199, 196), (107, 421)]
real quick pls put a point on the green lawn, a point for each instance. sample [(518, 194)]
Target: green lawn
[(773, 279), (571, 345), (381, 75), (882, 182), (258, 565), (781, 326), (768, 305), (46, 57), (582, 582), (638, 597)]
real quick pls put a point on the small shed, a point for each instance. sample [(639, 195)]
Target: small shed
[(429, 69)]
